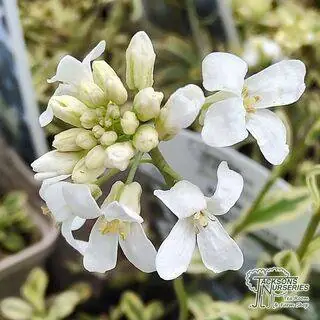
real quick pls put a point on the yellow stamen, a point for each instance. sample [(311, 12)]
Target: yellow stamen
[(249, 102), (115, 226)]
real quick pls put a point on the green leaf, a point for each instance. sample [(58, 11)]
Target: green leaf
[(64, 304), (312, 184), (132, 306), (279, 207), (35, 287), (277, 317), (313, 135), (289, 260), (15, 309), (154, 311), (313, 250)]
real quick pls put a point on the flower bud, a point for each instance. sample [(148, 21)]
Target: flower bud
[(181, 109), (146, 104), (140, 59), (91, 94), (55, 163), (113, 111), (119, 155), (107, 122), (129, 122), (146, 138), (106, 78), (89, 119), (82, 174), (68, 109), (130, 196), (97, 131), (95, 157), (108, 138), (66, 140), (95, 190), (86, 140), (114, 192)]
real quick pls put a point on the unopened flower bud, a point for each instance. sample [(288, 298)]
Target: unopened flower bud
[(66, 140), (108, 138), (82, 174), (119, 155), (113, 111), (95, 157), (146, 138), (107, 122), (106, 78), (86, 140), (129, 122), (68, 109), (89, 119), (95, 190), (146, 104), (97, 131), (91, 94), (140, 59)]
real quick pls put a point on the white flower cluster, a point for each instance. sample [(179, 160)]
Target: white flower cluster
[(110, 133)]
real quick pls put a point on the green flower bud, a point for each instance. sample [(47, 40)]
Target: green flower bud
[(107, 122), (86, 140), (113, 111), (89, 119), (129, 122), (95, 157), (91, 95), (96, 192), (82, 174), (140, 59), (97, 131), (68, 109), (106, 78), (108, 138), (66, 140), (146, 138), (146, 104)]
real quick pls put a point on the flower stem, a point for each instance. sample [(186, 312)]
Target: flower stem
[(106, 177), (309, 234), (134, 167), (182, 297)]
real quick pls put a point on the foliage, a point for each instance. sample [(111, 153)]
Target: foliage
[(33, 304)]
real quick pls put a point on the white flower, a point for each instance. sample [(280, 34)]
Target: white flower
[(72, 73), (245, 101), (55, 163), (119, 155), (181, 109), (120, 223), (70, 204), (197, 223)]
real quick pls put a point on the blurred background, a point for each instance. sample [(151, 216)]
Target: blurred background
[(40, 268)]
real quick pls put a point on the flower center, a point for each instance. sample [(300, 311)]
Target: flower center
[(249, 101), (115, 226), (200, 220)]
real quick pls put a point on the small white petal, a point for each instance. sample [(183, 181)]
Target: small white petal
[(96, 52), (77, 223), (66, 231), (280, 84), (101, 253), (138, 249), (270, 133), (229, 188), (46, 117), (79, 199), (184, 199), (48, 182), (225, 123), (218, 251), (41, 176), (66, 89), (175, 253), (115, 210), (223, 71), (72, 71)]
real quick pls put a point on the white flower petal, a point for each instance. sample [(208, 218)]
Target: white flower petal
[(183, 199), (175, 253), (66, 89), (229, 188), (218, 251), (280, 84), (41, 176), (223, 71), (115, 210), (79, 199), (46, 117), (225, 123), (270, 133), (77, 223), (138, 249), (66, 231), (48, 182), (72, 71), (96, 52), (101, 253)]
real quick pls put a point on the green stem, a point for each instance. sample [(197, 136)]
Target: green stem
[(182, 297), (110, 174), (309, 234), (134, 167)]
